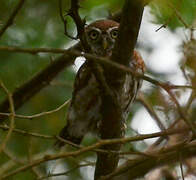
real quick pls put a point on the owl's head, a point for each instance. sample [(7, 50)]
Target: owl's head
[(101, 36)]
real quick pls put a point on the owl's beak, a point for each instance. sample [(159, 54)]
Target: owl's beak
[(105, 44)]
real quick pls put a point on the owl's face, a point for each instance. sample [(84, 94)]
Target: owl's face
[(101, 36)]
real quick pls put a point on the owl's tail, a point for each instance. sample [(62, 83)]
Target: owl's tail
[(64, 134)]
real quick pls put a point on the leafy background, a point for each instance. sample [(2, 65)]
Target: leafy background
[(38, 25)]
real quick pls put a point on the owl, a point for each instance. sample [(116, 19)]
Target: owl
[(84, 113)]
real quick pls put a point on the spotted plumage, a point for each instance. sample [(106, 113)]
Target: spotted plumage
[(84, 113)]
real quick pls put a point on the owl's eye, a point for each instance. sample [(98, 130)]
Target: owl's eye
[(114, 34), (93, 34)]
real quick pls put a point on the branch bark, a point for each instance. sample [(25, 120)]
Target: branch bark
[(131, 17), (185, 148), (112, 119), (12, 116), (140, 166), (42, 79), (38, 82)]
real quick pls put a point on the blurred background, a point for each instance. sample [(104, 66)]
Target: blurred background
[(38, 24)]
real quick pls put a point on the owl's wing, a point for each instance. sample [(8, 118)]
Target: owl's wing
[(132, 84), (84, 110)]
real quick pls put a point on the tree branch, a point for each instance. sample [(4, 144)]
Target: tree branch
[(38, 82), (25, 133), (112, 115), (32, 50), (150, 110), (64, 22), (99, 144), (43, 78), (140, 166), (67, 172), (39, 114), (128, 31), (12, 16), (12, 116)]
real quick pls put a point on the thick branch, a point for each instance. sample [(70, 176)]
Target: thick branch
[(32, 50), (109, 103), (41, 80), (112, 115), (38, 82), (140, 166), (128, 32)]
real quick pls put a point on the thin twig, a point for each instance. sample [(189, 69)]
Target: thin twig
[(38, 135), (25, 133), (17, 160), (67, 172), (80, 23), (151, 111), (11, 117), (180, 110), (89, 148), (34, 170), (12, 16), (39, 114), (101, 150), (181, 166), (13, 157), (7, 166), (64, 21), (178, 15), (190, 100), (180, 86)]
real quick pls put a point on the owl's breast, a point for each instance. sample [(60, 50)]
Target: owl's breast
[(85, 109)]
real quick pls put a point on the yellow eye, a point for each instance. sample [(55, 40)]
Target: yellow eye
[(114, 34), (93, 34)]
